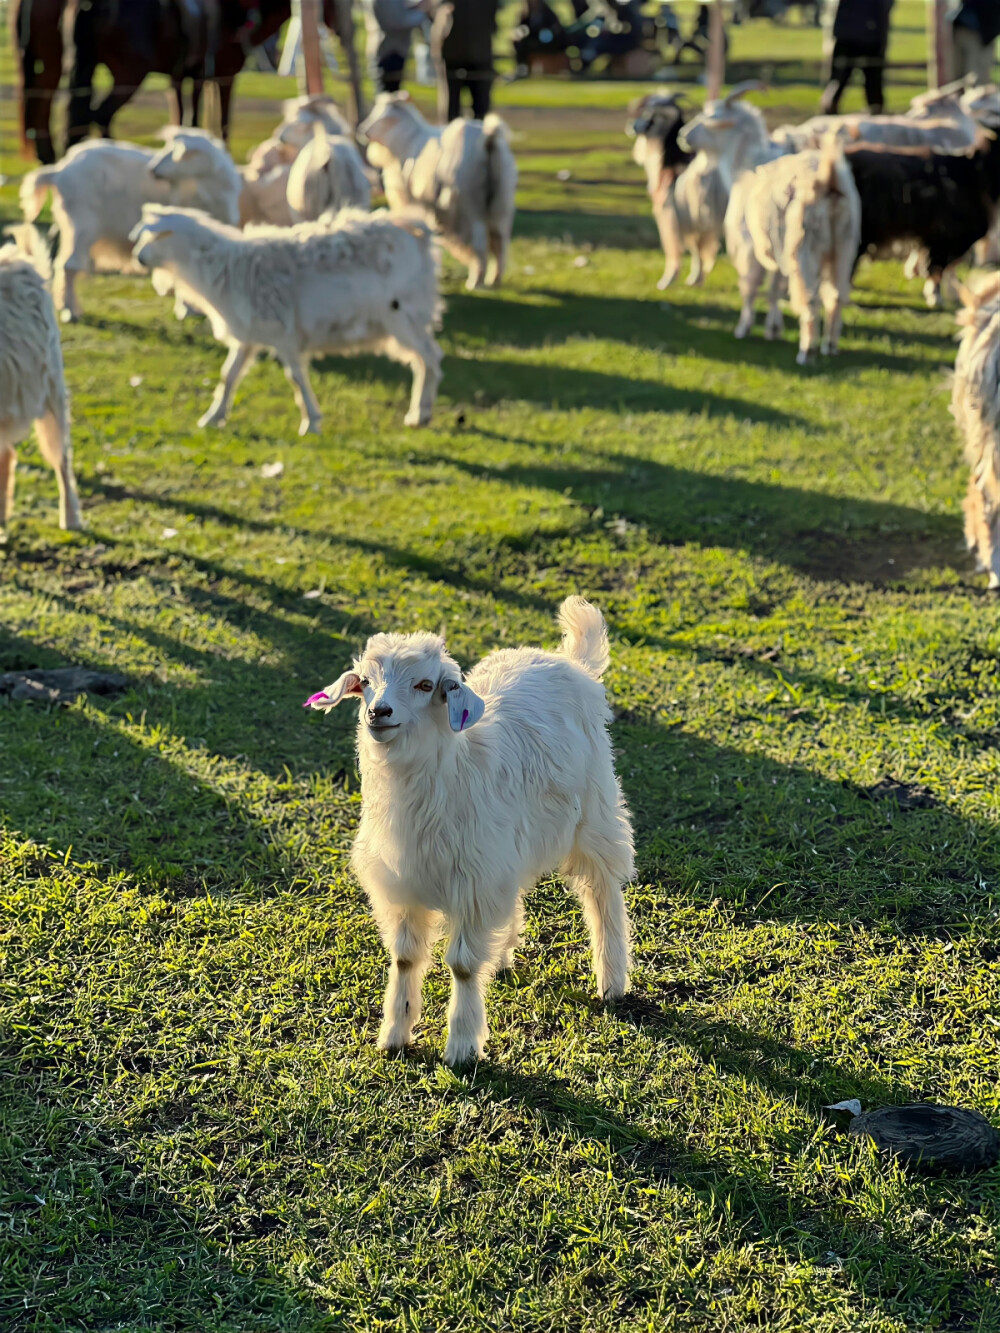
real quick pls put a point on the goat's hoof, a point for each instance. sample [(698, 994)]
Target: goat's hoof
[(310, 425), (693, 280), (801, 358), (68, 316), (419, 418), (461, 1054), (740, 332), (665, 281), (210, 419)]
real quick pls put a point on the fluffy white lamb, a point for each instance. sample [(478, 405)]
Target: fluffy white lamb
[(803, 214), (463, 177), (327, 175), (32, 387), (975, 403), (364, 282), (98, 192), (473, 789)]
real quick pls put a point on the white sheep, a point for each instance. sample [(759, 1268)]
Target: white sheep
[(975, 403), (471, 790), (803, 214), (463, 178), (327, 175), (363, 282), (98, 192), (32, 387)]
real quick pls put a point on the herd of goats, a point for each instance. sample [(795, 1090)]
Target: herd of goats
[(284, 255)]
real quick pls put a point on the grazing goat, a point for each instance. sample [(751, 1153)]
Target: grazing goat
[(975, 401), (804, 217), (365, 282), (32, 388), (264, 197), (942, 203), (687, 193), (327, 175), (470, 791), (98, 192), (463, 177)]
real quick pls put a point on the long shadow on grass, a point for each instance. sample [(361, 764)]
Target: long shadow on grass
[(827, 536), (648, 324), (98, 1246), (741, 1190)]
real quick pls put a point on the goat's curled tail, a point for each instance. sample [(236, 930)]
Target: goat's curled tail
[(585, 636)]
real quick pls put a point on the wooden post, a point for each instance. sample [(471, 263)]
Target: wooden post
[(938, 44), (312, 56), (715, 64)]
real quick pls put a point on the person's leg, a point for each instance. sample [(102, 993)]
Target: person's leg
[(455, 82), (390, 73), (480, 87), (873, 68), (841, 69)]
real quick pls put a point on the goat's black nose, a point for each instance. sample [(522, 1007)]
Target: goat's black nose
[(383, 710)]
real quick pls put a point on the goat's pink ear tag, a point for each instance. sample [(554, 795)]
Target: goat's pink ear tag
[(317, 700), (465, 707), (347, 684)]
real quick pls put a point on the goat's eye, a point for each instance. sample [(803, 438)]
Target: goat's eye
[(364, 682), (425, 685)]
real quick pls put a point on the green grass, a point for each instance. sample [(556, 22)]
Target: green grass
[(196, 1132)]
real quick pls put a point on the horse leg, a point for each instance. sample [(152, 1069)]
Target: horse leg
[(176, 99), (197, 88), (115, 100), (81, 80), (40, 55)]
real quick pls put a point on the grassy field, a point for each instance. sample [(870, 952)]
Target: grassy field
[(196, 1132)]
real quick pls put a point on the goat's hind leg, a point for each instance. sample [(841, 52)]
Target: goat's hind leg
[(237, 363), (596, 871), (513, 938), (8, 466), (54, 446), (407, 937)]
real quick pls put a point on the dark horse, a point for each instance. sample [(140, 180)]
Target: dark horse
[(184, 39)]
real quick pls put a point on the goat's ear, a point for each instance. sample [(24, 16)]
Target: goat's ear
[(741, 90), (347, 684), (465, 708)]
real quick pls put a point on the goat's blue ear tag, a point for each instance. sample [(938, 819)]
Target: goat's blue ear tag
[(465, 708)]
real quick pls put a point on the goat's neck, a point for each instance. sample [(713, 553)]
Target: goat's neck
[(401, 782), (412, 139), (746, 150)]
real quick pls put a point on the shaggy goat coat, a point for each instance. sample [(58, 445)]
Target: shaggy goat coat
[(804, 218), (32, 387), (99, 190), (364, 282), (975, 402), (462, 177), (686, 190), (490, 783), (327, 175)]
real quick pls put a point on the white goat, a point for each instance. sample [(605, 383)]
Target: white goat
[(463, 177), (948, 130), (264, 197), (803, 214), (326, 176), (98, 192), (303, 114), (470, 792), (365, 282), (975, 403), (32, 387), (735, 134), (688, 197)]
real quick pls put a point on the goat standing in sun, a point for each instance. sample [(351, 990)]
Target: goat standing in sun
[(471, 791)]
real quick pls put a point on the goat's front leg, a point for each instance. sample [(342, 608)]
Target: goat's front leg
[(8, 464), (774, 321), (235, 366), (467, 956), (506, 960), (407, 937)]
